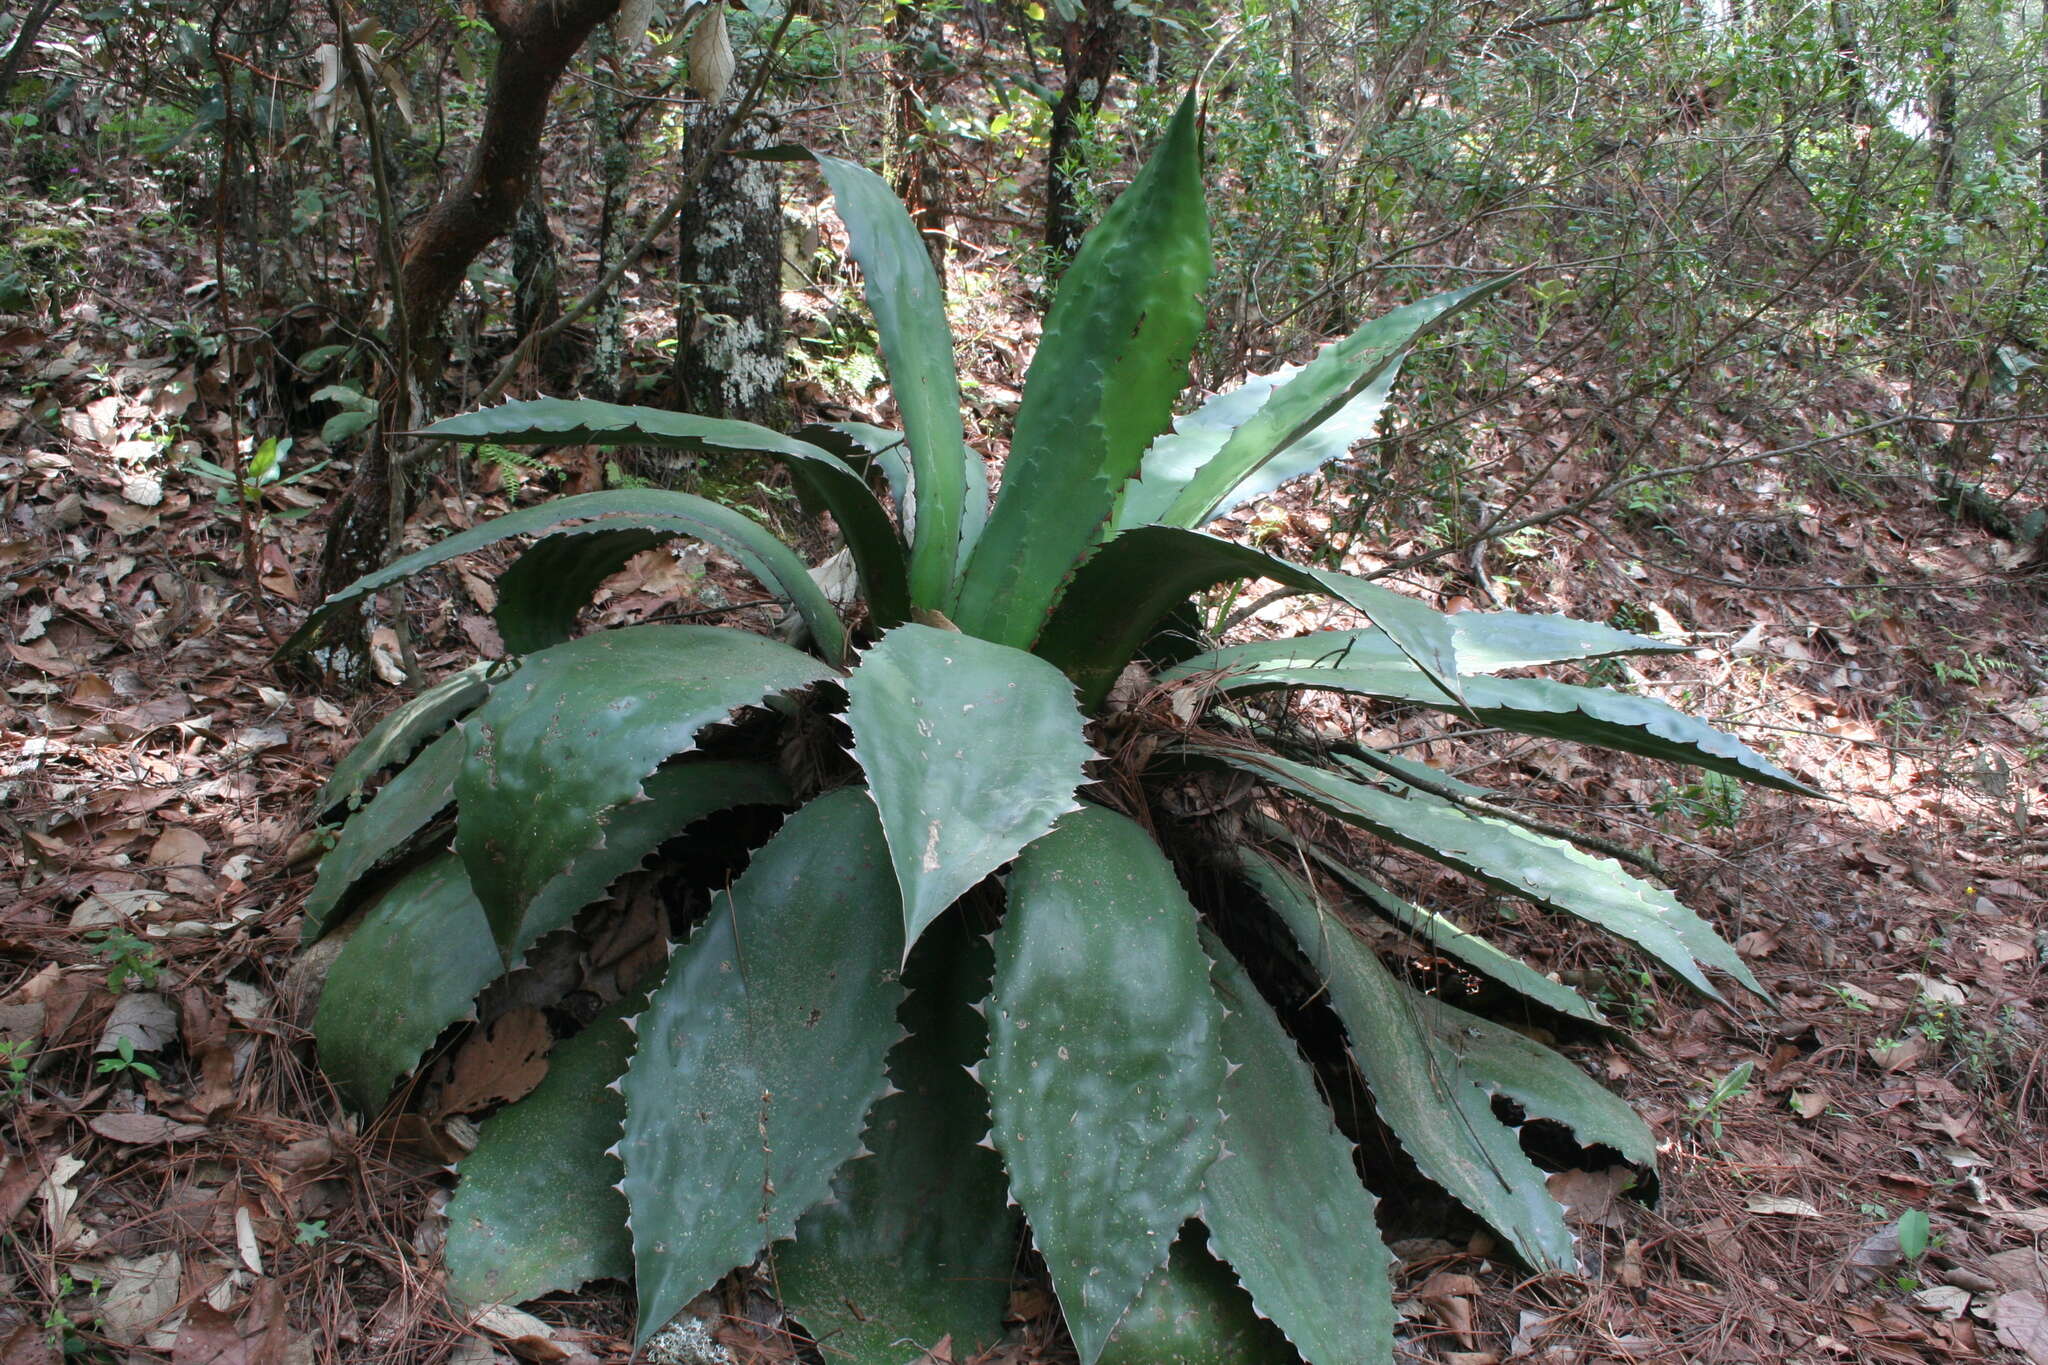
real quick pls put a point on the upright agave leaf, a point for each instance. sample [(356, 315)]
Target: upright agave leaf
[(1113, 358), (917, 345), (971, 750), (1104, 1070), (1323, 389), (571, 736), (760, 1054)]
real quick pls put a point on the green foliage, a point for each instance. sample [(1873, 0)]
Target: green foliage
[(1136, 983)]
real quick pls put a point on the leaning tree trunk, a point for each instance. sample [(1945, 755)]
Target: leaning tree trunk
[(536, 41), (729, 334), (1089, 45), (1942, 103)]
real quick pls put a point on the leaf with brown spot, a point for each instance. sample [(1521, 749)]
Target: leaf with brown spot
[(499, 1065)]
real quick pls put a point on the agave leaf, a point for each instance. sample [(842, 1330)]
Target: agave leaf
[(538, 1209), (1484, 641), (760, 1053), (971, 750), (1547, 871), (1530, 706), (567, 740), (1418, 1080), (1493, 641), (1120, 595), (401, 733), (767, 558), (1104, 1068), (857, 441), (1285, 1207), (1176, 457), (1475, 952), (1545, 1083), (411, 968), (1113, 358), (541, 595), (912, 1245), (1192, 1312), (401, 808), (675, 798), (917, 346), (1324, 388)]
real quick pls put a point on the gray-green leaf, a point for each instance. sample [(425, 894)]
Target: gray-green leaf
[(569, 738), (1104, 1069), (760, 1054), (971, 750)]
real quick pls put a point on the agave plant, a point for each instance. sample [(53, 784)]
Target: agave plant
[(963, 993)]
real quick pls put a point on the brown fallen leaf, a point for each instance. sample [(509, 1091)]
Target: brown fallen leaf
[(1448, 1296), (1589, 1197), (212, 1337), (143, 1130), (2022, 1321), (499, 1065)]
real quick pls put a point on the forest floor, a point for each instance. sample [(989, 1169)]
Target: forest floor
[(181, 1184)]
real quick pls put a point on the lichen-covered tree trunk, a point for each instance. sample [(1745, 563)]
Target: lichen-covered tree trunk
[(729, 336), (536, 297)]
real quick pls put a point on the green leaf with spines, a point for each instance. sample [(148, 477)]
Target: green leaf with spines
[(1444, 936), (1322, 390), (767, 558), (971, 751), (1531, 706), (547, 587), (538, 1208), (1119, 597), (399, 735), (674, 798), (412, 967), (760, 1054), (904, 293), (568, 739), (1112, 359), (1286, 1208), (917, 1242), (1104, 1069), (1510, 858), (1192, 1312), (402, 807), (1443, 1120), (1177, 456)]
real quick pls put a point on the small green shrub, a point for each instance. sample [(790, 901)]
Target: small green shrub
[(1017, 744)]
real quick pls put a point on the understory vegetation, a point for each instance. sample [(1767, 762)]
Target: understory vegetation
[(1019, 683)]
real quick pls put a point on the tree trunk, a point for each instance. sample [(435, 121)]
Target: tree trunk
[(1088, 53), (916, 52), (24, 42), (1856, 110), (729, 360), (535, 44), (1942, 104), (536, 294)]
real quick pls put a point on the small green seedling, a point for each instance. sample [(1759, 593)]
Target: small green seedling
[(264, 471), (128, 958), (1912, 1231), (1730, 1086), (124, 1062), (312, 1232)]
